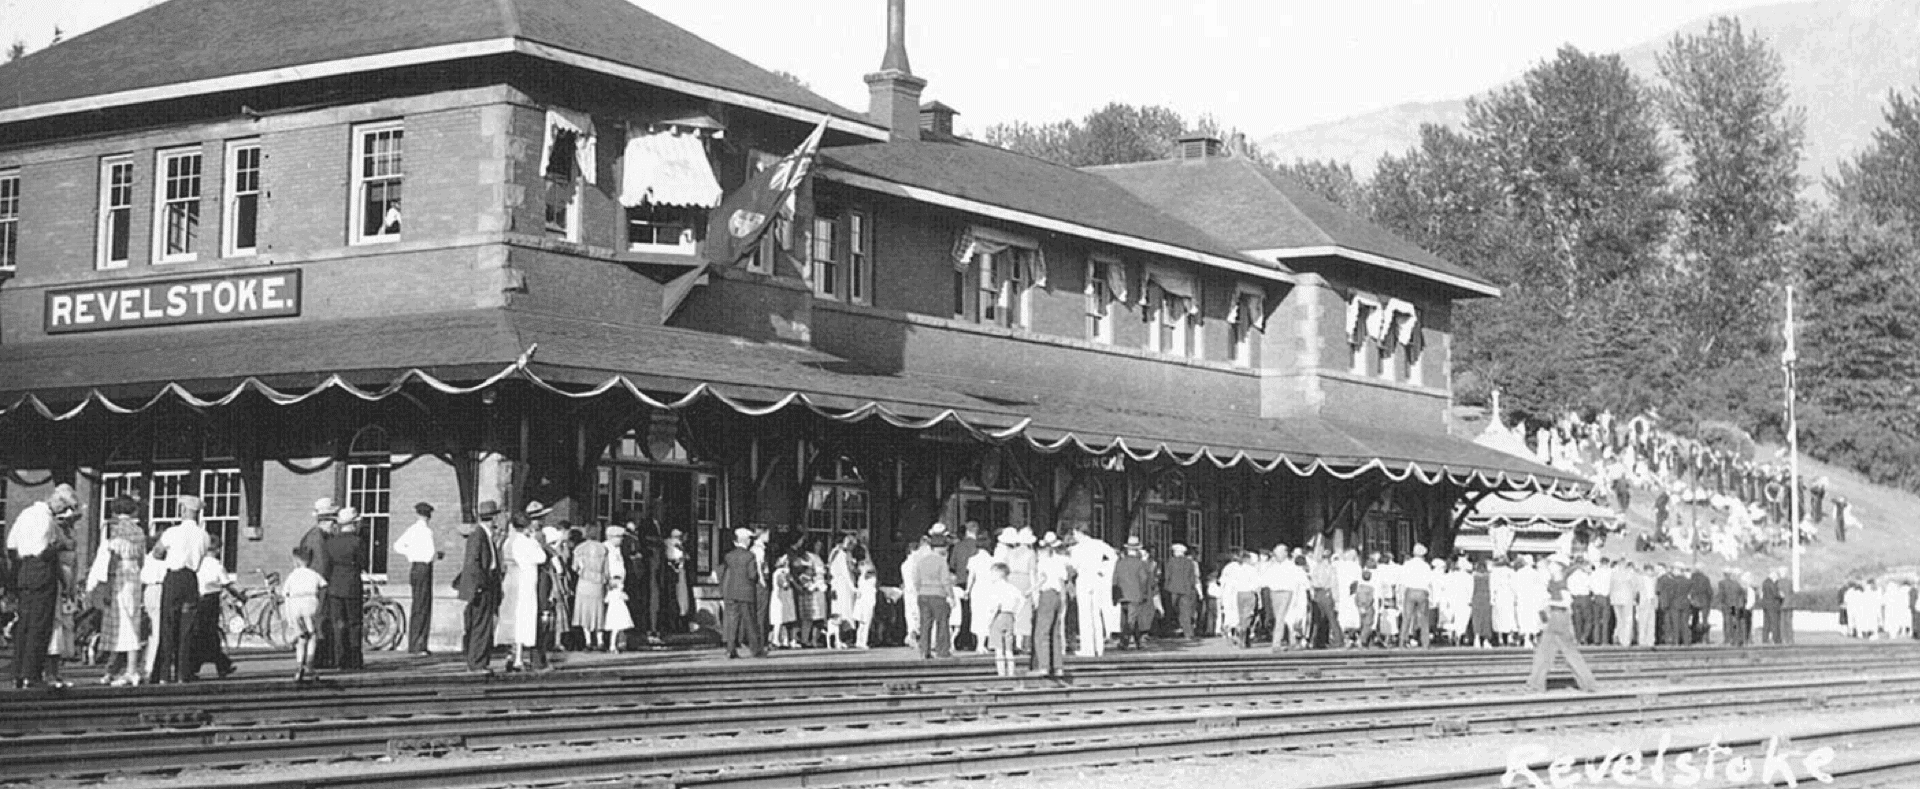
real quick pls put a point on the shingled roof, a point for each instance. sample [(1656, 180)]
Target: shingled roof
[(994, 176), (215, 44), (1250, 209)]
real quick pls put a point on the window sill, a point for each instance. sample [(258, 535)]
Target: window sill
[(178, 259), (1382, 383), (373, 240)]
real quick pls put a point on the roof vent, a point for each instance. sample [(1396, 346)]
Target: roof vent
[(1201, 146), (937, 118)]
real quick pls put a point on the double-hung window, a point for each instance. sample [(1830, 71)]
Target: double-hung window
[(1247, 316), (176, 205), (9, 219), (377, 180), (826, 258), (563, 189), (242, 234), (1100, 298), (1173, 330), (116, 212), (993, 274), (841, 252)]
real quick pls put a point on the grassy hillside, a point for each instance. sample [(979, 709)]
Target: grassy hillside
[(1882, 535)]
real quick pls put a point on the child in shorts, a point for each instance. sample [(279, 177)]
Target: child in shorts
[(302, 609), (999, 600)]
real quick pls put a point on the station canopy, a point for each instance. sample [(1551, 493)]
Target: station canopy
[(670, 368)]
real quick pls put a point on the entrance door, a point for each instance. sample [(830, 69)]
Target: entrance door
[(995, 513)]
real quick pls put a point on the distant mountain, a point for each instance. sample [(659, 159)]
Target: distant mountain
[(1841, 56)]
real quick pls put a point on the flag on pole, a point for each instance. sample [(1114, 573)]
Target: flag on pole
[(735, 227)]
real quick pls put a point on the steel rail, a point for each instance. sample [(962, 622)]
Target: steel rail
[(258, 702), (1011, 745), (42, 755)]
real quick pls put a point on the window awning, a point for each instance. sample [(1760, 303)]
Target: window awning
[(664, 367), (668, 168), (562, 124)]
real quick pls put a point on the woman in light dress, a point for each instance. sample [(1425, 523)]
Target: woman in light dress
[(1530, 599), (780, 609), (590, 588), (522, 556), (865, 592), (618, 618), (1504, 602), (117, 566)]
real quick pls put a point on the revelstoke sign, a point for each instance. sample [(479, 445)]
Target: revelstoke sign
[(204, 299)]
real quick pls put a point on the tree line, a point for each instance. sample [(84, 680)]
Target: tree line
[(1644, 232)]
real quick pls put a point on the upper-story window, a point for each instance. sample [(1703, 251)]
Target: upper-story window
[(562, 218), (377, 177), (841, 265), (242, 234), (668, 186), (1172, 302), (1247, 316), (769, 249), (9, 219), (994, 273), (663, 228), (1402, 344), (1366, 327), (176, 205), (116, 212), (1106, 289)]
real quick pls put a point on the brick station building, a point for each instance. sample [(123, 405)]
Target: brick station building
[(450, 250)]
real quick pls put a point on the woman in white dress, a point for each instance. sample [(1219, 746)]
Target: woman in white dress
[(1894, 618), (979, 571), (780, 611), (865, 592), (618, 618), (520, 593), (1500, 585), (1530, 599)]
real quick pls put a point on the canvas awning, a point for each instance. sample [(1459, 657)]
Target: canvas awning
[(668, 168)]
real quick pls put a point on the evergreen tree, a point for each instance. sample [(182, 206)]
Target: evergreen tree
[(1725, 97), (1884, 179)]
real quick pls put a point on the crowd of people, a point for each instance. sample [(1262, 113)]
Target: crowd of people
[(160, 591), (1734, 506), (1881, 608), (1294, 599)]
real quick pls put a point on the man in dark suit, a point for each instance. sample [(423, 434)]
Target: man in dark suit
[(479, 585), (1699, 600), (1133, 586), (313, 550), (740, 597), (340, 608), (1731, 598), (1772, 597), (1182, 585), (1671, 589)]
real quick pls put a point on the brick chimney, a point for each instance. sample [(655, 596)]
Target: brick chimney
[(893, 91)]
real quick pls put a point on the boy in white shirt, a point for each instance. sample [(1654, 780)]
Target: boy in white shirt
[(207, 625), (998, 600), (302, 593)]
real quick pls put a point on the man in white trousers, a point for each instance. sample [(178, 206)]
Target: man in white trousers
[(1092, 560)]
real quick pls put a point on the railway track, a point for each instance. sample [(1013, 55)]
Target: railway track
[(236, 702), (1103, 714)]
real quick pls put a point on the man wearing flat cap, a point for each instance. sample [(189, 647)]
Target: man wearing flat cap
[(416, 543)]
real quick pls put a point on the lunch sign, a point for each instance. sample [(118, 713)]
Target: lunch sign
[(207, 299)]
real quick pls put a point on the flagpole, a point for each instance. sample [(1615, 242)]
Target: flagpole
[(1788, 360)]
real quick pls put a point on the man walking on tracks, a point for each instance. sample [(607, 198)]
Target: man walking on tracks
[(1556, 634), (416, 543), (479, 584), (740, 597), (1182, 585)]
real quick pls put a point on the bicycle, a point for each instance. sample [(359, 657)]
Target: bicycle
[(257, 613), (384, 619)]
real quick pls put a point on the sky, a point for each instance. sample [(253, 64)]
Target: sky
[(1261, 66)]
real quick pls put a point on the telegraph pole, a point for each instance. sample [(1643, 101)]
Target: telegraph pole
[(1788, 359)]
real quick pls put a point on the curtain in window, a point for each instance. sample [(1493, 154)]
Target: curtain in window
[(1405, 317), (973, 240), (1172, 282), (580, 126), (1354, 308), (1249, 309)]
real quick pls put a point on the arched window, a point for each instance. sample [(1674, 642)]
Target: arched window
[(369, 489)]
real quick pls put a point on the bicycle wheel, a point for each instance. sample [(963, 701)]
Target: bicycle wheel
[(382, 628), (398, 614)]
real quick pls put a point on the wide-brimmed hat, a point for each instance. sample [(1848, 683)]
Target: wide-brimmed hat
[(1179, 549), (347, 515), (325, 508), (486, 509), (1133, 541), (537, 510), (616, 532), (1009, 536), (937, 528), (1025, 536), (1050, 540)]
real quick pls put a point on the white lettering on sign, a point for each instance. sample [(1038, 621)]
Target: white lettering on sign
[(197, 300)]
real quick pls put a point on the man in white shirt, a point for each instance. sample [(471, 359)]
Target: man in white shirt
[(181, 548), (1092, 560), (1416, 589), (212, 579), (416, 543), (1579, 587), (38, 536)]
